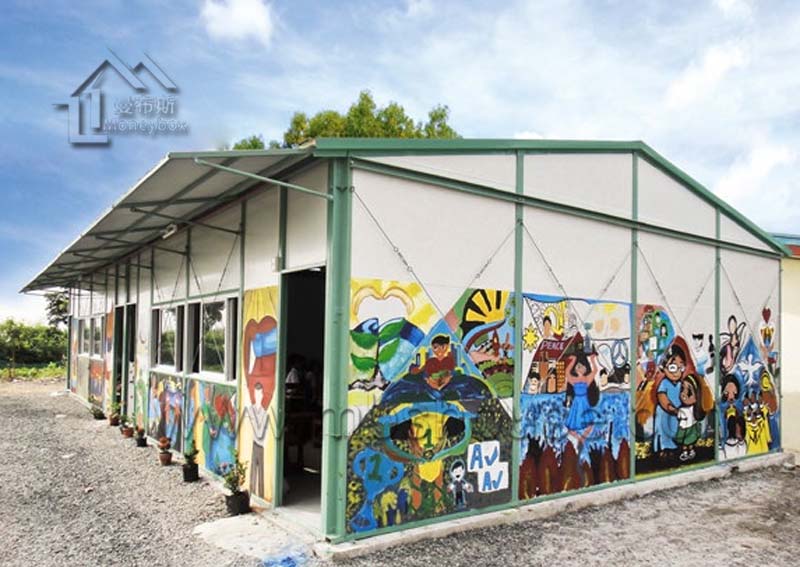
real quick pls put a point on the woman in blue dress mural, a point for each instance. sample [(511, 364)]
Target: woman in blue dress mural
[(668, 398), (583, 394)]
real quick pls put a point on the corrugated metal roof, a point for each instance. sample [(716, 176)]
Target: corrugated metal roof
[(176, 187)]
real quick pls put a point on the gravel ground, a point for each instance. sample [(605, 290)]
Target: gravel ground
[(749, 519), (74, 492)]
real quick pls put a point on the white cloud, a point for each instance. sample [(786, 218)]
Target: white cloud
[(419, 8), (238, 20), (700, 79), (734, 9), (528, 135), (748, 177), (28, 308)]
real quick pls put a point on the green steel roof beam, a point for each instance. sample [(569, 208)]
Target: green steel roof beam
[(269, 180)]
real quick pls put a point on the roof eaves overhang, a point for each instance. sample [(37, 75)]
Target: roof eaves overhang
[(98, 247)]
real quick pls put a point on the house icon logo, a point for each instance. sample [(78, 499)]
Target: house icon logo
[(141, 113)]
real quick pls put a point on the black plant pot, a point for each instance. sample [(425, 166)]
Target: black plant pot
[(190, 473), (141, 441), (238, 503)]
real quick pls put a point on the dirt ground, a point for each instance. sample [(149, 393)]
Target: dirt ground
[(73, 492)]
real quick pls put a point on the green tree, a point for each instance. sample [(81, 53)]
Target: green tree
[(57, 309), (364, 119), (250, 143), (13, 341), (31, 344)]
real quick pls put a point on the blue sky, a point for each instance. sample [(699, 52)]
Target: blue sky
[(712, 85)]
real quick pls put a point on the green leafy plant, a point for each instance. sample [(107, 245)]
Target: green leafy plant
[(234, 474), (190, 454), (97, 413), (115, 408)]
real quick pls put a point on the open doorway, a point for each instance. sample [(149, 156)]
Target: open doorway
[(304, 348)]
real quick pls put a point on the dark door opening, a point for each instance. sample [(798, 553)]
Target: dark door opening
[(129, 361), (118, 379), (303, 351)]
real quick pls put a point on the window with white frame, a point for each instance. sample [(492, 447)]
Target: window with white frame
[(97, 336), (212, 337), (168, 337), (84, 335)]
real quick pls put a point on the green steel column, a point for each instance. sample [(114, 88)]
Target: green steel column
[(634, 349), (518, 264), (778, 370), (69, 341), (280, 366), (337, 344), (717, 361)]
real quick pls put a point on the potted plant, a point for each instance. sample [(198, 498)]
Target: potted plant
[(190, 472), (97, 413), (164, 454), (113, 416), (126, 427), (141, 440), (238, 501)]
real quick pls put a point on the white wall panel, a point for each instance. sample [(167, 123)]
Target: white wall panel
[(754, 281), (446, 236), (307, 216), (684, 272), (143, 318), (494, 170), (215, 255), (730, 231), (261, 241), (584, 255), (169, 275), (665, 202), (598, 182)]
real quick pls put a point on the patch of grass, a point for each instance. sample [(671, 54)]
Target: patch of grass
[(34, 373)]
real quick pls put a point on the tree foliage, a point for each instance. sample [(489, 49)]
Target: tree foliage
[(31, 344), (364, 119), (57, 309)]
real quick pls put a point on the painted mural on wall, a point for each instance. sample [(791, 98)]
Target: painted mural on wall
[(674, 396), (575, 397), (97, 382), (139, 394), (82, 382), (211, 423), (258, 356), (165, 409), (112, 392), (748, 399), (73, 360), (436, 435)]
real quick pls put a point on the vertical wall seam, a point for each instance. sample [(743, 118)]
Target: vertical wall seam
[(516, 423), (634, 349), (717, 346)]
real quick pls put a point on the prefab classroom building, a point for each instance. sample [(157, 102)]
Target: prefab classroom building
[(398, 332)]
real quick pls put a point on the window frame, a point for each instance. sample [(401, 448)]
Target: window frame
[(194, 340), (156, 331)]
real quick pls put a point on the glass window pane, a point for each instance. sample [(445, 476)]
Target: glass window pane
[(214, 337), (166, 344), (97, 338)]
